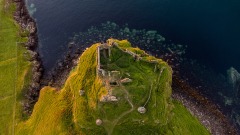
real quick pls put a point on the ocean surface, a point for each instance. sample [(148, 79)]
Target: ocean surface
[(210, 28)]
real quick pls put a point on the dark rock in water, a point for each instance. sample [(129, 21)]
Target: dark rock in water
[(60, 64)]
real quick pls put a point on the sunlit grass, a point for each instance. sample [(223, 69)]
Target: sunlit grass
[(14, 69)]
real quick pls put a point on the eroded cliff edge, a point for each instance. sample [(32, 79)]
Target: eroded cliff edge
[(29, 27)]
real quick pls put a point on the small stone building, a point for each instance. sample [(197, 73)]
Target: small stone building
[(142, 110), (81, 92), (98, 122)]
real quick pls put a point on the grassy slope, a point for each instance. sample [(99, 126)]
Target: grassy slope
[(66, 112), (14, 69)]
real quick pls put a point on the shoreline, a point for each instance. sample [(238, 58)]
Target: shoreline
[(208, 113), (27, 23), (61, 71)]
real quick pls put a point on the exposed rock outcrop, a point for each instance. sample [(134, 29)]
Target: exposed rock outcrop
[(28, 25)]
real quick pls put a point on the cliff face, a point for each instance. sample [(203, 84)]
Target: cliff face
[(26, 23), (29, 27), (141, 106)]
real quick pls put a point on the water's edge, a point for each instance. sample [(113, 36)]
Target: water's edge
[(206, 111), (63, 68), (26, 22)]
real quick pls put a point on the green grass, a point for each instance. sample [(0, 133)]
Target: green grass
[(182, 123), (14, 69), (143, 76), (66, 112)]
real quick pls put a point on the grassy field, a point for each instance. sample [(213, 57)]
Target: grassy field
[(66, 112), (14, 69)]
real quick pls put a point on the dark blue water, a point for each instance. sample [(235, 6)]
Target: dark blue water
[(209, 27)]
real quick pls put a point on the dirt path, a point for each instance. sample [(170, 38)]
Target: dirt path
[(149, 95), (108, 128)]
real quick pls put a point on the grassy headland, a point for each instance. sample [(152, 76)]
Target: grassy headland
[(14, 68), (67, 112)]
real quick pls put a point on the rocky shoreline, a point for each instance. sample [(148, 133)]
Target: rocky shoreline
[(206, 111), (58, 75), (27, 23)]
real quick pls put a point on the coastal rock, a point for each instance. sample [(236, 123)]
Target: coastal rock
[(31, 27), (37, 76), (26, 23), (234, 80), (33, 54), (233, 75), (35, 85)]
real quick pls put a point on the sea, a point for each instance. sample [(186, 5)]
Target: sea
[(209, 28)]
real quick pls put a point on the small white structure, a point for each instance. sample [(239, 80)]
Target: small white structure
[(113, 98), (126, 80), (108, 98), (98, 122), (142, 110), (81, 92)]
